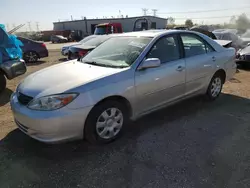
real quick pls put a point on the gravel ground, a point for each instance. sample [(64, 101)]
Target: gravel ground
[(192, 144)]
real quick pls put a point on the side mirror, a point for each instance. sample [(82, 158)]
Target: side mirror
[(248, 44), (150, 63)]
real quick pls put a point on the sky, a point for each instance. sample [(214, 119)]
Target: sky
[(44, 12)]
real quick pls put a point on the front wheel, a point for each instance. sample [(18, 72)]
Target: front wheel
[(215, 87), (106, 122), (2, 82)]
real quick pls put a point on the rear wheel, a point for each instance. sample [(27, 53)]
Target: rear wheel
[(215, 86), (30, 57), (106, 122), (2, 82)]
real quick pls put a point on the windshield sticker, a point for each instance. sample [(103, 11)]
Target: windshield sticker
[(137, 44)]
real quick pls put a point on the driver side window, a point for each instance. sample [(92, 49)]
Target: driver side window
[(166, 49)]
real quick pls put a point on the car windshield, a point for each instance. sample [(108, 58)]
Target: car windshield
[(60, 36), (86, 39), (96, 41), (219, 36), (117, 52), (101, 30)]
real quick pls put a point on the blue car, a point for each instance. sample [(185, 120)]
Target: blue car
[(33, 50)]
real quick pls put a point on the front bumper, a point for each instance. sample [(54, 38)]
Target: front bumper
[(13, 68), (49, 126)]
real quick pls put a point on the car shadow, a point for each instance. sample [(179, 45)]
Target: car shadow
[(5, 96), (244, 66), (39, 62), (63, 59), (185, 136)]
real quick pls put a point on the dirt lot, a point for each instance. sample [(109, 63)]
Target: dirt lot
[(192, 144)]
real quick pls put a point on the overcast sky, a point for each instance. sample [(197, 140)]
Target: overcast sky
[(45, 12)]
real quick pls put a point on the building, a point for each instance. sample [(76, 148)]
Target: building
[(87, 26)]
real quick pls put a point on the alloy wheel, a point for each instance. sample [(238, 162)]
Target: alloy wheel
[(31, 57), (216, 87)]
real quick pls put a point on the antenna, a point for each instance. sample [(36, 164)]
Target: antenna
[(144, 10), (154, 12)]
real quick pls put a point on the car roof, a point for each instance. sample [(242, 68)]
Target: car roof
[(154, 33)]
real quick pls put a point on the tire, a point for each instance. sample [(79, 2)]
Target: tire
[(111, 128), (2, 82), (69, 55), (215, 87), (30, 57)]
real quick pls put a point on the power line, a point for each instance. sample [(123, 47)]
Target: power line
[(214, 17), (201, 11)]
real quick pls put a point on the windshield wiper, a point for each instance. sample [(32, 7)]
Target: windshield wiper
[(90, 62)]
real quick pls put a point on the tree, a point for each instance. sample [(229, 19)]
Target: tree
[(171, 21), (242, 22), (189, 23)]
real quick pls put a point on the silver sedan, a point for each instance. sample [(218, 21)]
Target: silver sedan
[(124, 78)]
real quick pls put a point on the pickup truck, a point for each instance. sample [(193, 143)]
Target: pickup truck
[(11, 69)]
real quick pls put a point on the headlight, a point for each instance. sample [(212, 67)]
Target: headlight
[(52, 102)]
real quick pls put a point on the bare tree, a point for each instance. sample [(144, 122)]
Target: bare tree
[(171, 20)]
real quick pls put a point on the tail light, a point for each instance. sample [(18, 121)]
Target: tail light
[(82, 53), (44, 45)]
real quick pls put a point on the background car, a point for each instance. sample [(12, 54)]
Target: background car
[(58, 39), (65, 49), (81, 50), (33, 50), (243, 56), (237, 42)]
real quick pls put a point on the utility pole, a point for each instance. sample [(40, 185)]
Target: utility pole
[(29, 26), (144, 10), (71, 18), (154, 12), (37, 26)]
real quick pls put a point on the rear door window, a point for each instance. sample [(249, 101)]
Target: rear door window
[(194, 45)]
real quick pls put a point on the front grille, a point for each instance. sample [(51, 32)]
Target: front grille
[(23, 99)]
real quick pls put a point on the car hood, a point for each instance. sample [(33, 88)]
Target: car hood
[(62, 77), (245, 51)]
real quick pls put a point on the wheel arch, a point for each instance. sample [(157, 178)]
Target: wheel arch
[(118, 98), (221, 72)]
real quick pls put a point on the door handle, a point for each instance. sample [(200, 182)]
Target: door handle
[(180, 68), (213, 58)]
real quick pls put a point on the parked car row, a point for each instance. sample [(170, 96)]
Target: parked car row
[(123, 78)]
